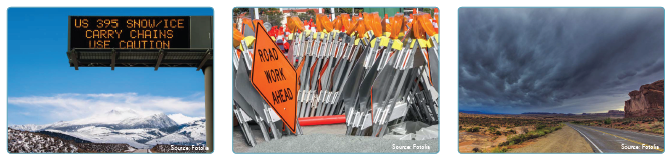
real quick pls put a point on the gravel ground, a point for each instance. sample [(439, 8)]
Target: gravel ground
[(329, 143), (565, 140), (328, 139)]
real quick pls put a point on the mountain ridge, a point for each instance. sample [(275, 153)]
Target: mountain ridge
[(139, 130)]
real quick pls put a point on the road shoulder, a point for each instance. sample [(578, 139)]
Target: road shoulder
[(566, 140)]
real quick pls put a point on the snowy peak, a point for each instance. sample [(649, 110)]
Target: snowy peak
[(122, 112), (110, 117), (117, 119), (182, 119), (153, 121)]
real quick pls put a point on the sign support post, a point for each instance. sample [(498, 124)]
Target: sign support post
[(208, 90)]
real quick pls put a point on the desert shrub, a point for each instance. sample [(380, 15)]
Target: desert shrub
[(476, 149), (525, 130), (530, 135), (473, 129), (499, 150), (627, 121), (460, 128), (658, 125), (540, 126), (498, 133), (512, 131), (492, 129), (542, 132), (658, 131), (607, 121)]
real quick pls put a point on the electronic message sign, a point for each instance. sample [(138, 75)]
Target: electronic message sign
[(129, 32)]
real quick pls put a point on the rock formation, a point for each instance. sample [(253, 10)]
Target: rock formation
[(647, 102), (617, 113)]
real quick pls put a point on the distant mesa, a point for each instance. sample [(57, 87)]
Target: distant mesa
[(647, 102), (471, 112), (610, 113), (479, 112), (540, 113), (616, 112), (547, 113)]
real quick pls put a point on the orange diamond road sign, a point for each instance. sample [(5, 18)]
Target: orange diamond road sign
[(274, 77)]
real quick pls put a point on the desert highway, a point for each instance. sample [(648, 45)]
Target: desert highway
[(606, 140)]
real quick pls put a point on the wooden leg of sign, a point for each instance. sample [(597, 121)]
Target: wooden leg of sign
[(208, 79)]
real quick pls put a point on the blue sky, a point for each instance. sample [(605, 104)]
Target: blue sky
[(42, 88)]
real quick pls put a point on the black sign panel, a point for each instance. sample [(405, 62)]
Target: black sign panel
[(129, 32)]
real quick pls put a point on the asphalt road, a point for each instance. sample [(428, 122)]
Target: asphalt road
[(606, 140)]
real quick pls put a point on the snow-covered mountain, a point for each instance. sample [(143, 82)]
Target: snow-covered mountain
[(28, 127), (195, 130), (190, 133), (181, 119), (153, 121), (114, 119), (127, 126)]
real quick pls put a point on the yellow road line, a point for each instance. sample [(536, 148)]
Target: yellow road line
[(630, 140)]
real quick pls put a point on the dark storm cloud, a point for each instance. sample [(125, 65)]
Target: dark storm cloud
[(626, 74), (522, 59)]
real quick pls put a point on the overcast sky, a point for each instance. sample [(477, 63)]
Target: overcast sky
[(569, 60)]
